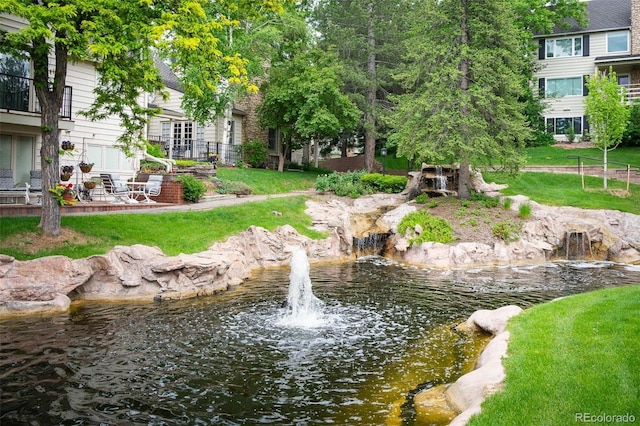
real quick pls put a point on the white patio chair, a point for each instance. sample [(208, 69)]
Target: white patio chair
[(116, 188), (152, 188)]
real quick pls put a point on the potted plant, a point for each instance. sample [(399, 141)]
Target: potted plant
[(85, 167), (67, 145), (67, 169), (89, 184), (63, 194)]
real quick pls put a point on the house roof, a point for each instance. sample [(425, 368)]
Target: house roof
[(168, 77), (603, 15)]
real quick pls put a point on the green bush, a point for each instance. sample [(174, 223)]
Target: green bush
[(485, 200), (192, 188), (378, 182), (255, 153), (343, 184), (434, 229), (506, 231), (422, 198), (524, 210), (155, 150)]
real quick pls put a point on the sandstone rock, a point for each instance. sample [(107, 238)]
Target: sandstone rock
[(493, 321), (432, 406)]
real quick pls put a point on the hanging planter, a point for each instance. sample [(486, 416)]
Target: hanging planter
[(65, 176), (89, 184), (67, 169), (67, 145), (85, 167)]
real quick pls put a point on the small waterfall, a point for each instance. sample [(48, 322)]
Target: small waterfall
[(577, 245), (304, 309), (371, 245), (441, 180)]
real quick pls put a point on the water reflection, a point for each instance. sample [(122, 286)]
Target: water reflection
[(227, 360)]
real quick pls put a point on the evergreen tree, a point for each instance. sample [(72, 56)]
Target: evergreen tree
[(368, 37), (464, 78)]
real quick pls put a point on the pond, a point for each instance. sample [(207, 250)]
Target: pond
[(230, 359)]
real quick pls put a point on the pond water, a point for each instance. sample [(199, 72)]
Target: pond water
[(230, 359)]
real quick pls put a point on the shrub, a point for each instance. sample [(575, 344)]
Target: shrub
[(506, 203), (155, 150), (484, 199), (422, 198), (434, 229), (391, 184), (192, 188), (524, 210), (343, 184), (506, 231), (255, 153)]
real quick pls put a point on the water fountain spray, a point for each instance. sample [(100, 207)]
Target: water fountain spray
[(303, 307)]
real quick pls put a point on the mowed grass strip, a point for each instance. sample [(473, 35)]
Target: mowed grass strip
[(559, 156), (173, 233), (571, 359), (561, 189)]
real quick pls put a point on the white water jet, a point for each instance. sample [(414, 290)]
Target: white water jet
[(304, 309)]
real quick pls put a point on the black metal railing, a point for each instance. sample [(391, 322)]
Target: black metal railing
[(18, 94), (198, 150)]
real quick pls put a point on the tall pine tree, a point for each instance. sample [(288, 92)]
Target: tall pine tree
[(463, 76)]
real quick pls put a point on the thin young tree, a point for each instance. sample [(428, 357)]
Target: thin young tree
[(608, 113)]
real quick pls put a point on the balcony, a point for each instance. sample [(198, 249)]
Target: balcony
[(198, 150), (633, 93), (18, 94)]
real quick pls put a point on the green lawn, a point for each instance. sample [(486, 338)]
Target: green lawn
[(558, 156), (571, 358), (174, 233), (264, 182), (558, 189)]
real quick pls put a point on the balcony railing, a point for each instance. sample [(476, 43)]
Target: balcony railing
[(198, 150), (18, 94), (633, 93)]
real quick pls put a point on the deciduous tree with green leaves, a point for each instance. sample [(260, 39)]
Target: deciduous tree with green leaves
[(121, 38), (303, 99), (607, 111)]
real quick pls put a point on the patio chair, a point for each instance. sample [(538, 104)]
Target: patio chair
[(116, 188), (152, 188), (35, 185), (9, 190)]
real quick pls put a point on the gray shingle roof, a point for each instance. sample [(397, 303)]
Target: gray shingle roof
[(603, 15), (168, 77)]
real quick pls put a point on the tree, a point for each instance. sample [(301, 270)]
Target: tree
[(368, 37), (463, 78), (303, 99), (607, 111), (121, 37)]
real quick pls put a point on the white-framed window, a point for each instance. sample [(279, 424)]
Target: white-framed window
[(624, 80), (564, 47), (561, 125), (559, 87), (618, 41)]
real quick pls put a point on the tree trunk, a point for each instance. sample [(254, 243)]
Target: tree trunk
[(369, 118), (604, 170), (50, 95), (464, 181)]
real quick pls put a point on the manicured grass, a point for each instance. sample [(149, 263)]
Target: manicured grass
[(264, 182), (569, 357), (559, 189), (174, 233), (558, 156)]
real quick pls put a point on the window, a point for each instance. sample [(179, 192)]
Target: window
[(624, 80), (559, 87), (561, 125), (273, 140), (618, 42), (563, 47)]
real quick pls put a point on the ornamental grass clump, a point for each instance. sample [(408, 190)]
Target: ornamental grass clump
[(420, 227)]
